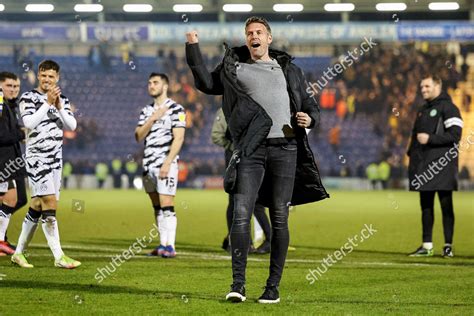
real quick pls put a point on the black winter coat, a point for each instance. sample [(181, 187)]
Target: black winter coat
[(10, 150), (434, 166), (248, 122)]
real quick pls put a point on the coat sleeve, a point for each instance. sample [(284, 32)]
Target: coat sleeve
[(453, 125), (8, 138), (205, 81), (309, 104)]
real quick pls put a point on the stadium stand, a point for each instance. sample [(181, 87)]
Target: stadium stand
[(374, 110)]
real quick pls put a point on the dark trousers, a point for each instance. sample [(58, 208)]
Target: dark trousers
[(427, 214), (278, 164), (22, 199), (117, 177), (260, 216), (259, 210)]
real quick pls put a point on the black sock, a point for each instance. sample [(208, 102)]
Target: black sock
[(6, 210), (168, 208), (33, 215), (48, 213), (157, 210)]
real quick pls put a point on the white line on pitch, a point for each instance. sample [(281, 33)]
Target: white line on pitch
[(209, 256)]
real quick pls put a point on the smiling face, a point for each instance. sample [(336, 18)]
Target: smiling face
[(430, 89), (258, 39), (47, 79)]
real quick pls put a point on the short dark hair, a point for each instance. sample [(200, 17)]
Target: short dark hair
[(258, 19), (4, 75), (436, 79), (163, 77), (48, 65)]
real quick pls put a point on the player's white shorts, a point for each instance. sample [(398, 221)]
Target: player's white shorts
[(167, 186), (49, 184), (7, 185)]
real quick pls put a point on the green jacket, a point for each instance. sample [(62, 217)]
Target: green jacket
[(219, 131)]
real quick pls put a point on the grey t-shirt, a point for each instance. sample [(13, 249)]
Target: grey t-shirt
[(265, 83)]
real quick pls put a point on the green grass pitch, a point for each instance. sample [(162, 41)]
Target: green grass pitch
[(376, 278)]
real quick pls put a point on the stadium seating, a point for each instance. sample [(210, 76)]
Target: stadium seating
[(111, 100)]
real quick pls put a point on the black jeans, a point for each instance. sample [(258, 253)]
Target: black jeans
[(22, 199), (259, 210), (278, 163)]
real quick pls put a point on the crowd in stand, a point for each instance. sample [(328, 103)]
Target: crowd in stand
[(382, 85)]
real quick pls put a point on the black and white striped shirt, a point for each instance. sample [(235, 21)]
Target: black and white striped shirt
[(45, 129), (159, 139)]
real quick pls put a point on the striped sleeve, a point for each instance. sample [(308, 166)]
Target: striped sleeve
[(178, 117), (27, 104), (141, 118), (32, 109), (452, 127), (67, 106), (452, 117), (66, 115)]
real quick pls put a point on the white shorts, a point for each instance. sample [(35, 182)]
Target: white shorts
[(8, 185), (166, 186), (49, 184)]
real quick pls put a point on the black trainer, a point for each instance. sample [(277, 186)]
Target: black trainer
[(448, 252), (422, 252), (270, 295), (236, 294), (264, 248)]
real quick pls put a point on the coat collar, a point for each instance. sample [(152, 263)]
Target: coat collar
[(242, 54), (443, 97)]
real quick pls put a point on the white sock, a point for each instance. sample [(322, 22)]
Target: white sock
[(51, 232), (28, 230), (4, 221), (171, 224), (160, 221), (428, 245)]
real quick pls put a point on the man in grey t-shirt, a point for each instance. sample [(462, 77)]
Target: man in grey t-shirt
[(267, 110)]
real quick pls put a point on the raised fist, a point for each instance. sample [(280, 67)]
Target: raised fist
[(192, 37)]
